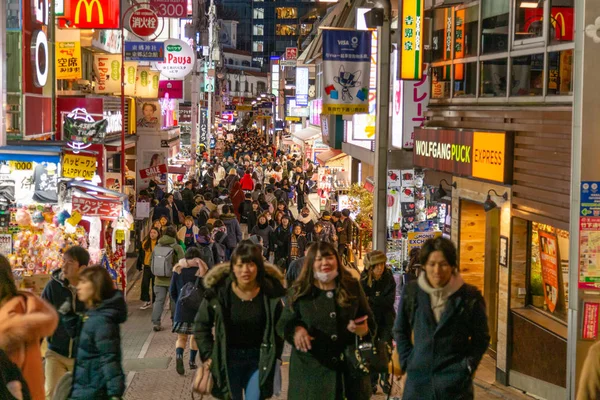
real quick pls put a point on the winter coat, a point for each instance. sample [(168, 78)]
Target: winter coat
[(9, 372), (230, 180), (589, 380), (319, 373), (234, 232), (25, 320), (329, 230), (237, 198), (187, 196), (280, 244), (246, 182), (381, 296), (264, 232), (186, 271), (214, 312), (160, 211), (244, 210), (308, 226), (179, 255), (345, 234), (181, 233), (61, 295), (441, 361), (98, 372)]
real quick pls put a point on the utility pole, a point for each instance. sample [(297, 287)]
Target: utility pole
[(382, 129)]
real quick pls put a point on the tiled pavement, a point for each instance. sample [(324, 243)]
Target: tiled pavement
[(149, 360)]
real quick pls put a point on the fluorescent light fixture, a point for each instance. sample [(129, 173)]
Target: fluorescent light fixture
[(529, 4)]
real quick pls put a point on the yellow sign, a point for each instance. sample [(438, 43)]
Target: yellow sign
[(293, 119), (78, 166), (489, 156), (345, 109), (243, 108), (68, 60), (20, 165), (75, 218), (411, 40), (416, 239), (88, 10)]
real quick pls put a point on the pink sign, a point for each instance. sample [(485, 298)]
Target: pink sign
[(589, 327), (171, 8), (97, 208), (153, 171), (170, 89)]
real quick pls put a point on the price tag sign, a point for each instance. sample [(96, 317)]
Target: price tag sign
[(20, 165), (78, 166)]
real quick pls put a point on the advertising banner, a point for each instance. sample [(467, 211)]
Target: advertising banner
[(91, 14), (346, 64), (78, 166), (68, 60), (130, 77), (589, 236), (203, 125), (411, 40), (107, 68), (416, 239), (589, 329), (146, 84), (153, 171), (549, 260), (144, 51), (170, 8), (97, 208), (179, 59), (302, 86)]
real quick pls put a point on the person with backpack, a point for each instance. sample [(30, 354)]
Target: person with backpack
[(235, 325), (244, 211), (218, 236), (187, 292), (379, 286), (208, 253), (165, 256), (447, 319), (188, 232)]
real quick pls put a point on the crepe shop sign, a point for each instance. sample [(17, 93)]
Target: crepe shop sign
[(97, 208)]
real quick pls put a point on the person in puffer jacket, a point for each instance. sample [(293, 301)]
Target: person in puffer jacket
[(98, 372)]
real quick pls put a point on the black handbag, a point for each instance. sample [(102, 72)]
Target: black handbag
[(367, 356)]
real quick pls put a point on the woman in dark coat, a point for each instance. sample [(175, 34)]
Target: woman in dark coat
[(325, 310), (234, 231), (98, 372), (379, 285), (243, 304), (190, 269), (162, 210), (264, 230), (447, 319), (301, 191), (237, 197), (280, 243)]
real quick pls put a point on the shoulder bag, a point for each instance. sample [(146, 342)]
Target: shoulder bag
[(203, 381), (367, 356)]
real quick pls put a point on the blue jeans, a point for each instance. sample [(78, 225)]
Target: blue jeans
[(242, 369)]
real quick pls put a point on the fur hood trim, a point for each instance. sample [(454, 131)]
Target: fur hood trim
[(220, 272), (193, 263)]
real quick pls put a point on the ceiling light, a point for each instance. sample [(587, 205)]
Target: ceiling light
[(529, 4), (490, 204)]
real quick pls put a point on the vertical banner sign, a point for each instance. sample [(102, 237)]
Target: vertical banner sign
[(411, 40), (589, 236), (302, 86), (549, 260), (459, 43), (589, 329), (203, 126), (146, 84), (68, 60), (107, 68), (130, 76), (346, 63)]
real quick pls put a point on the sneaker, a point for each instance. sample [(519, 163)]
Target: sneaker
[(179, 366), (146, 306), (157, 328), (193, 365)]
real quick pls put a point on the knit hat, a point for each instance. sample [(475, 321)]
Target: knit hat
[(373, 258)]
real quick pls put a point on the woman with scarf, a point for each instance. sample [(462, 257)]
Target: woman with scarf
[(173, 209), (188, 232), (264, 230), (307, 223), (189, 270), (298, 243)]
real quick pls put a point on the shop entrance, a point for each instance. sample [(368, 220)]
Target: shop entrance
[(478, 255)]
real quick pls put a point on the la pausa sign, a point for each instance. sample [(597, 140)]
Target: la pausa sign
[(484, 155)]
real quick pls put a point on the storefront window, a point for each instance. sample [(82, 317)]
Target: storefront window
[(442, 34), (528, 75), (465, 32), (494, 29), (465, 80), (440, 82), (560, 73), (529, 19), (493, 78), (549, 270), (562, 20)]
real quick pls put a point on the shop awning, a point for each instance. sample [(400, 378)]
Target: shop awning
[(177, 169), (115, 145), (288, 140), (307, 133), (329, 155), (30, 153)]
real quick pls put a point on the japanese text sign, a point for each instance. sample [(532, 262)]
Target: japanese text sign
[(153, 171), (589, 329), (78, 166), (97, 208), (459, 43), (411, 40), (91, 14), (179, 61), (144, 51), (346, 66), (143, 22), (68, 60), (170, 8), (291, 53), (589, 236)]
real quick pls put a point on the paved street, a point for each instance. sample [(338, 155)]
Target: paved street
[(149, 360)]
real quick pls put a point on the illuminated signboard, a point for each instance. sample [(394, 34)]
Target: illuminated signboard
[(411, 40), (91, 14), (302, 86)]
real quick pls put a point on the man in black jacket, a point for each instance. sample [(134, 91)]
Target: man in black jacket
[(61, 293), (187, 196)]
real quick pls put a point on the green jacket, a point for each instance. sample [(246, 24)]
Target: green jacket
[(213, 312), (179, 255)]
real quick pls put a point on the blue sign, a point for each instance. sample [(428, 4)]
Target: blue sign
[(301, 100), (590, 199), (144, 51)]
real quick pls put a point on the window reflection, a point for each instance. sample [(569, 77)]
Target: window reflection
[(494, 30), (528, 75), (560, 73), (440, 82), (529, 19), (493, 78), (465, 80), (466, 23)]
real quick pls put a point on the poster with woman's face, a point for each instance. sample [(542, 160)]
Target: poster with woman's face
[(148, 114), (153, 158)]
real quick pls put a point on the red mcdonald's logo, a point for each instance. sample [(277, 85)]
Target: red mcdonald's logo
[(91, 14)]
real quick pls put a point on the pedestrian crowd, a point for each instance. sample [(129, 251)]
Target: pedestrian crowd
[(243, 275)]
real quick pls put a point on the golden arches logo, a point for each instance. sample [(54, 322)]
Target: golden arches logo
[(562, 25), (88, 11)]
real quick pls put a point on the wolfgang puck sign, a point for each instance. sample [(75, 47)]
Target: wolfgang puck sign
[(484, 155)]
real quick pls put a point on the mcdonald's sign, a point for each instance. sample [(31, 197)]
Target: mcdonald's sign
[(91, 14), (561, 21)]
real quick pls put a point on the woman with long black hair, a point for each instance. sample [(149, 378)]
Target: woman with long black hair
[(143, 264)]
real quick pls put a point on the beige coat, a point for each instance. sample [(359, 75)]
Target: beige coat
[(589, 381)]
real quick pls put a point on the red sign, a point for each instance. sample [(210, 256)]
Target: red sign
[(171, 8), (91, 14), (172, 88), (97, 208), (291, 53), (143, 22), (549, 260), (589, 329), (561, 21), (153, 171)]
